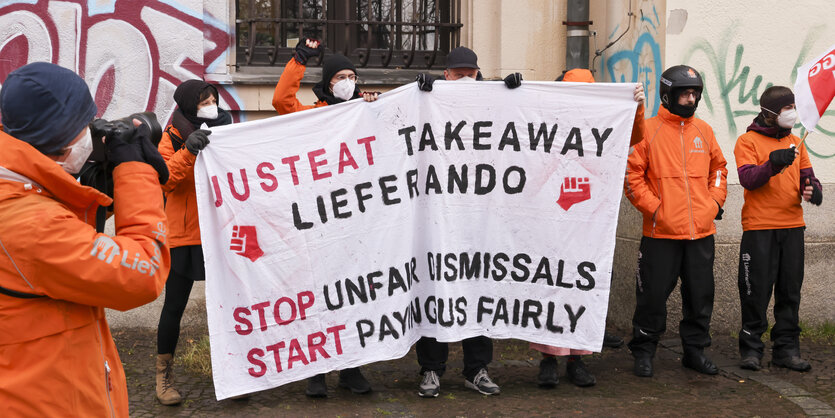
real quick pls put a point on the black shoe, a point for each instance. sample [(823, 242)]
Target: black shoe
[(700, 363), (643, 366), (792, 362), (353, 379), (579, 374), (316, 387), (612, 341), (548, 375), (750, 363)]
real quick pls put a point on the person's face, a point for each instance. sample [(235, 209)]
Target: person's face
[(342, 75), (453, 74), (209, 101), (688, 97), (64, 153), (787, 107)]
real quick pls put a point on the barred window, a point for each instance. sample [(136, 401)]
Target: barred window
[(414, 34)]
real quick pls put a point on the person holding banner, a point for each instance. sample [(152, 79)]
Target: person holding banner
[(181, 142), (676, 177), (575, 368), (338, 84), (775, 170), (57, 355)]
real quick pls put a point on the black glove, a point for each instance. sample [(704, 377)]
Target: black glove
[(817, 196), (719, 214), (425, 81), (197, 140), (150, 152), (120, 144), (781, 157), (514, 80), (304, 52)]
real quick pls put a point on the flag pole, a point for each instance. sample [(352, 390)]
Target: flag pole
[(802, 139)]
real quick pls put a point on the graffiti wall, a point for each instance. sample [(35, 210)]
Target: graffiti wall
[(635, 30), (132, 54), (742, 50)]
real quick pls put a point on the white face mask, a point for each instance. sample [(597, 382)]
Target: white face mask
[(78, 154), (787, 118), (466, 79), (207, 112), (344, 89)]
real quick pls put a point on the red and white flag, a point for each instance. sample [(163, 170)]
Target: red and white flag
[(815, 88)]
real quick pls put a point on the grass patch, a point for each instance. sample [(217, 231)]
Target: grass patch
[(821, 333), (196, 356)]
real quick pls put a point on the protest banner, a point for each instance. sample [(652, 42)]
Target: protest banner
[(815, 88), (338, 236)]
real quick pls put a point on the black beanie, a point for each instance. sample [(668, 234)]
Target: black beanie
[(776, 98), (187, 95), (334, 64)]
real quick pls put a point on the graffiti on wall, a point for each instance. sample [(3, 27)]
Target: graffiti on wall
[(732, 90), (642, 63), (132, 54)]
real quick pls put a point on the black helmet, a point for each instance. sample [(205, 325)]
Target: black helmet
[(673, 81)]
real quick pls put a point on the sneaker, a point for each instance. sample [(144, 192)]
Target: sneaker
[(354, 380), (482, 383), (430, 386), (792, 362), (750, 363), (548, 375), (579, 374), (316, 387), (612, 341)]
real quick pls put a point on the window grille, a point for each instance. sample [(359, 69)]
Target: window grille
[(414, 34)]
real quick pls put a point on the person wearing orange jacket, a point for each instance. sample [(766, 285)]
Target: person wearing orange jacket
[(57, 355), (576, 369), (338, 84), (676, 177), (771, 251), (181, 142)]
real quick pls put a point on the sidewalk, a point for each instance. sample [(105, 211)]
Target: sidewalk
[(673, 391)]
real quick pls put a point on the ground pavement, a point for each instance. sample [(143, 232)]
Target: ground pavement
[(673, 391)]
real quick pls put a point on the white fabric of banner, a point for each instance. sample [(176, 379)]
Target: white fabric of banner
[(338, 236), (814, 88)]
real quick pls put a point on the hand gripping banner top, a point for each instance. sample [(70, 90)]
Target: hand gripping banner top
[(815, 88), (338, 236)]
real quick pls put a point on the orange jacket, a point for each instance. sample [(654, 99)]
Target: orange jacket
[(284, 96), (57, 356), (676, 177), (180, 194), (776, 204)]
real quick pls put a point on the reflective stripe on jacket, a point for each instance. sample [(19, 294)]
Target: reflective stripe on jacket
[(180, 194), (676, 177), (284, 96), (57, 356)]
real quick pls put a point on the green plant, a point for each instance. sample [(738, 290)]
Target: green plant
[(196, 356)]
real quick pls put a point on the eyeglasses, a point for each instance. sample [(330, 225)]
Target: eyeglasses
[(352, 77)]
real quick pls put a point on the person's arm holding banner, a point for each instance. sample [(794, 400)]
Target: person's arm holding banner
[(638, 125)]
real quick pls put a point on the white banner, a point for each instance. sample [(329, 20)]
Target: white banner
[(338, 236)]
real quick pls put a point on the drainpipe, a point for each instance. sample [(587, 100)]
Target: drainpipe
[(577, 34)]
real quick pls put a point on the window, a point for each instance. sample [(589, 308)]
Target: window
[(414, 34)]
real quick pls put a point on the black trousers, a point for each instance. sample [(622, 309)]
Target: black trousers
[(660, 263), (186, 267), (432, 355), (770, 260)]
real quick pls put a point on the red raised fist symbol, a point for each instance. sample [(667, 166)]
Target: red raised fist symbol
[(245, 242), (574, 190)]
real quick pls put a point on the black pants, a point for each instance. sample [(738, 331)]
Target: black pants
[(432, 355), (186, 267), (769, 260), (660, 263)]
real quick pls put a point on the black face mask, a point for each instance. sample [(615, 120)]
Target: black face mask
[(682, 110)]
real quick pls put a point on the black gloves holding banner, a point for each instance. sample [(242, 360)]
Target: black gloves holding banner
[(424, 81), (514, 80), (197, 141)]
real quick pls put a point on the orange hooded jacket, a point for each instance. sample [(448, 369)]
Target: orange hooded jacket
[(180, 193), (676, 177), (284, 96), (57, 356)]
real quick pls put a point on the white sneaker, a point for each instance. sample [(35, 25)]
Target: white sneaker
[(430, 386), (482, 383)]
